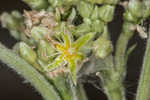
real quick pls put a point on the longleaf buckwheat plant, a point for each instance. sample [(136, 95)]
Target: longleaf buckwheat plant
[(62, 41)]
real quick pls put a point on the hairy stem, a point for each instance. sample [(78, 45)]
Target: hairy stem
[(112, 85), (29, 73), (114, 91), (121, 49), (144, 83)]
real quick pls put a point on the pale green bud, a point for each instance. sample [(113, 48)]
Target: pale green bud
[(85, 9), (95, 13), (58, 15), (17, 15), (56, 3), (24, 38), (87, 21), (111, 1), (72, 15), (59, 3), (104, 1), (39, 32), (45, 51), (106, 13), (147, 9), (42, 65), (129, 17), (59, 29), (16, 48), (15, 34), (82, 29), (97, 26), (37, 4), (136, 8), (102, 47), (13, 22), (96, 1), (27, 53)]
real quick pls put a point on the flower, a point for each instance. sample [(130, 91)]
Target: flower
[(69, 53)]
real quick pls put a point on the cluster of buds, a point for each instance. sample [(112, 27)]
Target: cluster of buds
[(52, 43), (137, 10)]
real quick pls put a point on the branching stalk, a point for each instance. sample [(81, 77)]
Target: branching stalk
[(121, 48), (144, 83)]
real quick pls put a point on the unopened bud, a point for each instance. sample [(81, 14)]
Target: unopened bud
[(85, 9), (102, 47), (95, 13), (82, 29), (104, 1), (98, 26), (136, 8), (39, 32), (37, 4), (45, 51), (27, 53), (13, 22), (129, 17), (147, 9), (106, 13)]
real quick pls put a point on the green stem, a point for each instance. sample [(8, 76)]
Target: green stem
[(144, 83), (81, 93), (63, 85), (121, 49), (114, 91), (113, 86), (29, 73)]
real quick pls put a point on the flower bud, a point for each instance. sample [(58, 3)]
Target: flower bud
[(147, 9), (95, 13), (45, 51), (24, 38), (106, 13), (16, 48), (13, 22), (87, 21), (85, 9), (102, 47), (55, 3), (39, 32), (136, 8), (37, 4), (96, 1), (111, 1), (72, 15), (129, 17), (97, 26), (58, 15), (17, 15), (82, 29), (27, 53), (104, 1), (59, 29)]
